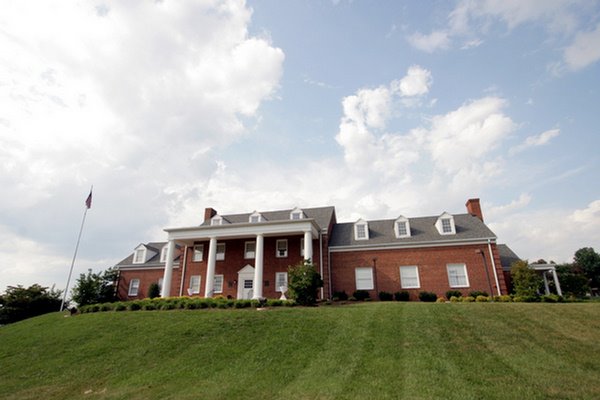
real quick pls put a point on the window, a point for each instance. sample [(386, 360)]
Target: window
[(446, 225), (282, 248), (255, 217), (134, 287), (249, 249), (198, 252), (457, 275), (409, 277), (302, 247), (163, 254), (361, 230), (281, 279), (194, 284), (402, 227), (216, 220), (220, 251), (296, 213), (364, 278), (139, 257), (218, 288)]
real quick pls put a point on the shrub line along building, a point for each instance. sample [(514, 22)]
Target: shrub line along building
[(247, 255)]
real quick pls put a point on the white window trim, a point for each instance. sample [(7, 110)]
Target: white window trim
[(364, 281), (407, 286), (249, 254), (191, 289), (134, 289), (464, 268), (143, 251), (397, 230), (220, 255), (277, 286), (277, 255), (297, 211), (216, 220), (200, 251), (253, 215), (218, 288), (358, 223), (440, 227)]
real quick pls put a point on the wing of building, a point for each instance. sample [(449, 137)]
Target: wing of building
[(247, 255)]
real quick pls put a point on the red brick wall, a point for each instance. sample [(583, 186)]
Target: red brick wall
[(432, 269), (146, 277)]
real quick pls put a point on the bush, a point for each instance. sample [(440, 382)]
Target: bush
[(455, 293), (552, 298), (361, 295), (351, 298), (503, 299), (340, 295), (477, 293), (526, 281), (454, 299), (440, 300), (274, 303), (402, 296), (134, 305), (427, 297), (468, 299), (106, 307), (120, 306), (19, 303), (386, 296), (153, 290), (303, 283), (482, 299)]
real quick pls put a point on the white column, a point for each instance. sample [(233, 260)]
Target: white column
[(546, 283), (166, 287), (210, 267), (308, 248), (556, 282), (258, 267)]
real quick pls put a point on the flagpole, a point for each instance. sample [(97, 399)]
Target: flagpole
[(88, 204)]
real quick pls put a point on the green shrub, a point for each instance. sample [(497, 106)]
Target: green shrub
[(106, 306), (94, 307), (427, 297), (340, 295), (303, 283), (468, 299), (149, 306), (351, 298), (289, 303), (274, 303), (453, 293), (153, 290), (482, 299), (440, 300), (386, 296), (361, 295), (552, 298), (120, 306), (454, 299), (476, 293), (402, 296), (504, 298)]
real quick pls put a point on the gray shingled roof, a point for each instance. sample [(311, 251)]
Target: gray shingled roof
[(154, 261), (507, 256), (422, 229), (321, 215)]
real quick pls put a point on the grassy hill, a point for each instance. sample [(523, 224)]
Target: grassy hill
[(363, 351)]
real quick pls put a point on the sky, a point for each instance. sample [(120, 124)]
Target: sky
[(379, 108)]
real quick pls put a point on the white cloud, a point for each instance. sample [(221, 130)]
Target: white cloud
[(436, 40), (584, 50), (536, 140), (417, 82)]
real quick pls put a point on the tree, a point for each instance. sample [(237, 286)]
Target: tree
[(93, 288), (573, 281), (154, 290), (526, 281), (589, 262), (19, 303), (303, 283)]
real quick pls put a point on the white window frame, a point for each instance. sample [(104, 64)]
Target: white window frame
[(279, 278), (218, 284), (406, 279), (439, 224), (365, 226), (198, 253), (277, 250), (363, 277), (296, 214), (399, 222), (255, 217), (249, 254), (455, 277), (134, 287), (142, 255), (163, 254), (195, 288), (220, 251)]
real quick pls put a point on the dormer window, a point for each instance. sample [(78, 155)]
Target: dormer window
[(402, 227), (445, 224), (163, 254), (361, 230), (216, 220), (139, 255), (296, 214), (255, 217)]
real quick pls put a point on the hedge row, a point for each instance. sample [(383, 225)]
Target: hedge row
[(183, 303)]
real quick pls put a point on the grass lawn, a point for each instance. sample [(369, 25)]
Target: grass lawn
[(380, 350)]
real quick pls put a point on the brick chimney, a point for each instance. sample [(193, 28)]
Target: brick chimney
[(474, 208), (209, 213)]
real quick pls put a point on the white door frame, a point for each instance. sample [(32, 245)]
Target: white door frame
[(246, 273)]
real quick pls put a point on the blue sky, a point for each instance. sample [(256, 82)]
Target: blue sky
[(378, 108)]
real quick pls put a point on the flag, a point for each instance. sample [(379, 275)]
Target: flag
[(88, 201)]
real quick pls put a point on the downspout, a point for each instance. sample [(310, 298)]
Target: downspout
[(329, 272), (321, 257), (185, 251), (494, 267)]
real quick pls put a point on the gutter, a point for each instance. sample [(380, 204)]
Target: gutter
[(387, 246)]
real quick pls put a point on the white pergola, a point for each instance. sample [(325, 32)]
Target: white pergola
[(548, 268)]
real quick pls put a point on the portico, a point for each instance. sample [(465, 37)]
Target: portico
[(257, 232)]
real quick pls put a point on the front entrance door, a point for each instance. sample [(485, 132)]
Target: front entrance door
[(246, 282)]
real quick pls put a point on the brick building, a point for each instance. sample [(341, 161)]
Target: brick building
[(247, 255)]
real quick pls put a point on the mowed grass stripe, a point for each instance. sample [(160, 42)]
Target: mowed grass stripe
[(372, 350)]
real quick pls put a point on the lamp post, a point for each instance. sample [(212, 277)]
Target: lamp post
[(487, 273)]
